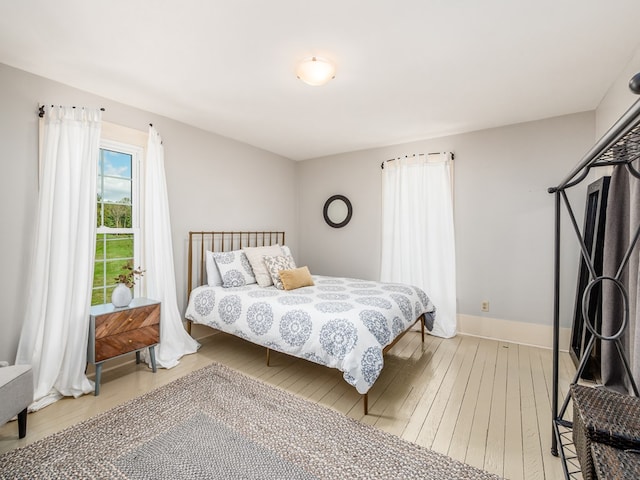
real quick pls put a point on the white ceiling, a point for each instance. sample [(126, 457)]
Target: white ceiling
[(406, 69)]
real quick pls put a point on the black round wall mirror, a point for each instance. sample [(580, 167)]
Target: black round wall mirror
[(337, 211)]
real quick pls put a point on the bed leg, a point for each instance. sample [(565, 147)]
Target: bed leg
[(422, 326), (365, 403), (189, 327), (268, 356)]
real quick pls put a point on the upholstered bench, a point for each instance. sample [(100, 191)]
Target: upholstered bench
[(601, 416), (16, 393)]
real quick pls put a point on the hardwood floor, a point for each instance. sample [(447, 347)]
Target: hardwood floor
[(483, 402)]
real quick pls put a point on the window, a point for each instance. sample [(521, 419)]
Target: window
[(118, 229)]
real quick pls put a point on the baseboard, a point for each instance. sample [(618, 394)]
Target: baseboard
[(524, 333)]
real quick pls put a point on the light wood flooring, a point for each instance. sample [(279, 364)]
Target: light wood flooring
[(484, 402)]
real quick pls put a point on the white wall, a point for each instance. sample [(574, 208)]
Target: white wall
[(618, 98), (213, 183), (503, 213)]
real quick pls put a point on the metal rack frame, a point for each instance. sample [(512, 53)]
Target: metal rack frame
[(619, 146)]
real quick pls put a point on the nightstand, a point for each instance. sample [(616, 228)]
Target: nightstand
[(117, 331)]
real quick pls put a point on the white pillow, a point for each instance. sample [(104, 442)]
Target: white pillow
[(255, 256), (234, 268), (213, 274)]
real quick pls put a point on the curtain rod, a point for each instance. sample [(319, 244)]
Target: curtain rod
[(419, 154), (41, 110)]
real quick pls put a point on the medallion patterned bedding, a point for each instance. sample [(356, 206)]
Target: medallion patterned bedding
[(341, 323)]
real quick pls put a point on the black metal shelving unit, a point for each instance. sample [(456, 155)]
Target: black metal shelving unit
[(619, 146)]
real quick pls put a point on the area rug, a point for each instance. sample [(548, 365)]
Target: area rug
[(216, 423)]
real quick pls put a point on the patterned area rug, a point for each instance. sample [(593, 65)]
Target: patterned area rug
[(216, 423)]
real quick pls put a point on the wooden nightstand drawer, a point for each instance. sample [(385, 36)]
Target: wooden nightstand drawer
[(126, 320), (130, 341)]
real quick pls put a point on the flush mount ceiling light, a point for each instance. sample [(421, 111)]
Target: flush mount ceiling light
[(316, 71)]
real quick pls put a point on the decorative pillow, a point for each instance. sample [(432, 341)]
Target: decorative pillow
[(256, 259), (234, 268), (213, 274), (286, 251), (277, 263), (296, 278)]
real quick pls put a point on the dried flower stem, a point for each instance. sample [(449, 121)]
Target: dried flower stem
[(129, 277)]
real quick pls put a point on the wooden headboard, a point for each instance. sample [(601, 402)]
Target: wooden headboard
[(200, 242)]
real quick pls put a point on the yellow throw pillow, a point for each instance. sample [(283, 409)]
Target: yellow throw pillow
[(296, 278)]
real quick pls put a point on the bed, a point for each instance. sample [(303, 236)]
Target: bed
[(342, 323)]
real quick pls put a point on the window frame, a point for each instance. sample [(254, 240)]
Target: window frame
[(131, 142)]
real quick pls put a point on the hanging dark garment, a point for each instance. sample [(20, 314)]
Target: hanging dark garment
[(623, 215)]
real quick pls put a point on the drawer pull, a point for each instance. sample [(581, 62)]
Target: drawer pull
[(130, 319), (130, 341)]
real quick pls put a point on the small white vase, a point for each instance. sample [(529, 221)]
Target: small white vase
[(121, 296)]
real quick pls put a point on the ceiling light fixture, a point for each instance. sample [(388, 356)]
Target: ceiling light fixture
[(316, 71)]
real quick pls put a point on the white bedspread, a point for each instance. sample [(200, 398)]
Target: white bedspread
[(342, 323)]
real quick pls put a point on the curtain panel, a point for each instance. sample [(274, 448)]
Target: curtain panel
[(160, 279), (55, 327), (418, 244)]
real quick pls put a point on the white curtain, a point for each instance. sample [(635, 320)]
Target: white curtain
[(417, 231), (160, 277), (56, 323)]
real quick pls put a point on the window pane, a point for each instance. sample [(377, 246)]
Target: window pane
[(119, 246), (114, 185), (98, 274), (114, 246), (117, 215), (100, 241), (116, 190), (99, 213), (116, 164), (98, 297), (113, 251)]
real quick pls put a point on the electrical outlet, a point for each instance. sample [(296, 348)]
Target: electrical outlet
[(484, 306)]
